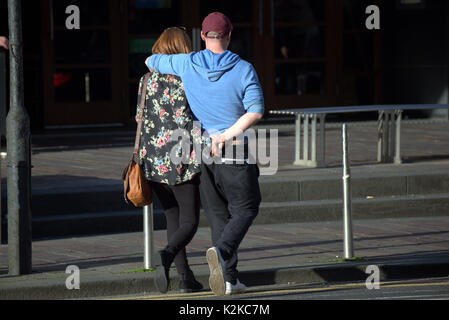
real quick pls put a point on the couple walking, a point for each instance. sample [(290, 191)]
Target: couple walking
[(222, 92)]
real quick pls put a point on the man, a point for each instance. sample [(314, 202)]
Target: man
[(225, 95)]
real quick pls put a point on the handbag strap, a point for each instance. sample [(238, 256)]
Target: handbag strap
[(139, 119)]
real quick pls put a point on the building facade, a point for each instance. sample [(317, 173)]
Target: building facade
[(307, 53)]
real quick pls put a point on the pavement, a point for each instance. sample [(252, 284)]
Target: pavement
[(293, 253), (278, 251)]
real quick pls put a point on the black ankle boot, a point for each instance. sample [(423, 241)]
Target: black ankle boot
[(188, 283), (162, 261)]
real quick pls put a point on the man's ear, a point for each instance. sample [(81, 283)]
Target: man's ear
[(203, 36)]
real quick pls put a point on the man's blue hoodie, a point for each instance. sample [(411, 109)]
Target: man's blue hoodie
[(220, 88)]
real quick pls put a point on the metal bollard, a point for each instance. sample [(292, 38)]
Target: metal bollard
[(2, 92), (148, 245), (347, 206), (2, 121)]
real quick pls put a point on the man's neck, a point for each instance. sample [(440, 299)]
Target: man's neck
[(215, 48), (216, 51)]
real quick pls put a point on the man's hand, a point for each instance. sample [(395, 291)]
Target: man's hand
[(4, 43), (218, 142)]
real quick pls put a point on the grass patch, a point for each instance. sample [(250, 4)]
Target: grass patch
[(143, 270), (138, 270)]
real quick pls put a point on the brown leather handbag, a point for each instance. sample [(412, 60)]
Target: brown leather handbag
[(137, 190)]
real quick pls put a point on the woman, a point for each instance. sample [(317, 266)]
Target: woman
[(175, 185)]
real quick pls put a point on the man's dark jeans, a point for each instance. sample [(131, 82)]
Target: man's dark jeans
[(230, 196)]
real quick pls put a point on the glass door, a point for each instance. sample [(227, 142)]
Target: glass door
[(146, 20), (359, 76), (82, 84), (300, 59)]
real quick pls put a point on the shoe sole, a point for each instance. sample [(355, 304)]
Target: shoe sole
[(216, 280), (161, 280)]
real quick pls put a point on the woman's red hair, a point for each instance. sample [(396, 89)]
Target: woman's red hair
[(173, 41)]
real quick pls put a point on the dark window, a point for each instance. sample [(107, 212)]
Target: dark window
[(299, 78), (78, 46)]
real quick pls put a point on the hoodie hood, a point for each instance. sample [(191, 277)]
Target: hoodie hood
[(211, 65)]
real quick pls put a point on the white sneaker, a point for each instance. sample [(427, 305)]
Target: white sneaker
[(216, 265), (234, 289)]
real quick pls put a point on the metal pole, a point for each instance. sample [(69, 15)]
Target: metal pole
[(148, 245), (380, 125), (2, 92), (2, 121), (391, 137), (305, 150), (347, 206), (313, 146), (385, 138), (397, 153), (322, 161), (18, 149), (297, 140)]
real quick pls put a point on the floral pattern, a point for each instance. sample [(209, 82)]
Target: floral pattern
[(166, 109)]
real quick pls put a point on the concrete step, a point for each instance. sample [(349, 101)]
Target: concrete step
[(270, 212), (325, 188), (109, 198), (368, 208)]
